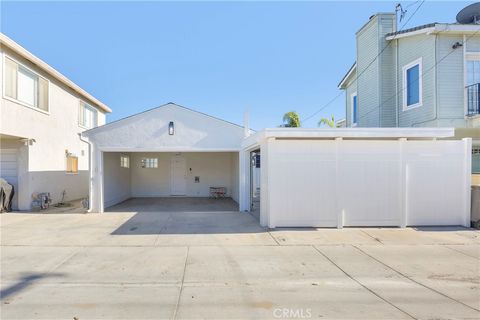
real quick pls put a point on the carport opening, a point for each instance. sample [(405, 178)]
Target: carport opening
[(170, 181)]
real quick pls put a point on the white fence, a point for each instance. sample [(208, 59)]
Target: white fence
[(336, 183)]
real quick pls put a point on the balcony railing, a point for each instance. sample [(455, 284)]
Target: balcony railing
[(473, 99)]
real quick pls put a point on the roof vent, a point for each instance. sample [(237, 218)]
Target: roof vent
[(470, 14)]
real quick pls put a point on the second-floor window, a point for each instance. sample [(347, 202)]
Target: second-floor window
[(25, 86), (87, 116), (354, 109), (412, 84)]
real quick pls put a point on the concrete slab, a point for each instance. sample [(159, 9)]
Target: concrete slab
[(407, 295), (18, 262), (426, 235), (113, 301), (340, 299), (7, 219), (446, 271), (126, 265), (172, 204), (311, 236), (259, 265), (132, 266), (469, 250)]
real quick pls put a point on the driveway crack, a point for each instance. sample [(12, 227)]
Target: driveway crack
[(364, 286), (415, 281), (181, 285)]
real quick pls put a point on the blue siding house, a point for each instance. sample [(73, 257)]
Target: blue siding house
[(426, 76)]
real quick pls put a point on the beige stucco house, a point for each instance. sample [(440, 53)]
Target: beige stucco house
[(42, 114)]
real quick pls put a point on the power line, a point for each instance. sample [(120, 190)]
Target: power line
[(418, 78), (366, 68)]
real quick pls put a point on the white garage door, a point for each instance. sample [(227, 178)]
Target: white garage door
[(8, 168)]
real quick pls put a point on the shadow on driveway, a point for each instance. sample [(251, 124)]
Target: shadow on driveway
[(25, 282)]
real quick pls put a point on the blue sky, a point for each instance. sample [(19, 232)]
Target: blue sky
[(216, 57)]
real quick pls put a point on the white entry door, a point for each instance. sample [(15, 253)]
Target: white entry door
[(179, 176)]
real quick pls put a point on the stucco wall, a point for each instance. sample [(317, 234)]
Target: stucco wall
[(117, 179), (54, 132), (213, 168), (148, 131)]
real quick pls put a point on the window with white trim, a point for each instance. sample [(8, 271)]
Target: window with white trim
[(24, 85), (125, 161), (354, 109), (475, 159), (150, 163), (87, 115), (412, 84)]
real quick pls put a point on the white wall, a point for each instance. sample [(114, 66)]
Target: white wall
[(235, 177), (213, 168), (148, 131), (54, 133), (116, 179), (326, 183)]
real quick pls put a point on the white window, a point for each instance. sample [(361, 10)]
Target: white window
[(354, 109), (150, 163), (412, 85), (125, 162), (25, 86), (87, 116)]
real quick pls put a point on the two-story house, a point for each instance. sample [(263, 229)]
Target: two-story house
[(42, 114), (426, 76)]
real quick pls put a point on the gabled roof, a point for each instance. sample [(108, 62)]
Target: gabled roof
[(150, 131), (433, 28), (18, 49), (156, 108), (346, 78)]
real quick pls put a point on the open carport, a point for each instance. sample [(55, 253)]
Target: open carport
[(168, 159)]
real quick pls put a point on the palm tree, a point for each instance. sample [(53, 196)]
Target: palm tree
[(328, 122), (291, 120)]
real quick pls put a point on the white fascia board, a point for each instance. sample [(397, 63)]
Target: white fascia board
[(456, 28), (347, 77), (360, 133), (440, 28), (253, 140), (413, 33), (167, 149)]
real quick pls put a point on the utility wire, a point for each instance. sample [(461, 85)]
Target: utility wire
[(420, 76), (366, 68)]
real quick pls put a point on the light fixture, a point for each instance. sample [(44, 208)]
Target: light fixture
[(457, 44), (171, 128)]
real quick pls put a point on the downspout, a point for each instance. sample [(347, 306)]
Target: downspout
[(89, 170)]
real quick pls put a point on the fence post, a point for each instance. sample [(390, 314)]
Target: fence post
[(338, 202), (468, 180), (403, 184)]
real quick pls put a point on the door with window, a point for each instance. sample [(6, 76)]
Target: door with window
[(178, 176)]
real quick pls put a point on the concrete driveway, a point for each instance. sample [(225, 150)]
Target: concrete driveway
[(219, 265)]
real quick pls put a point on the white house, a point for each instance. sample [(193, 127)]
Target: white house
[(308, 177), (42, 114)]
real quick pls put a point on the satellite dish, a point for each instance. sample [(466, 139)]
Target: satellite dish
[(469, 14)]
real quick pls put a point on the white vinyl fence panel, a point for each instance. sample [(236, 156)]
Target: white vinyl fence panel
[(327, 183)]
